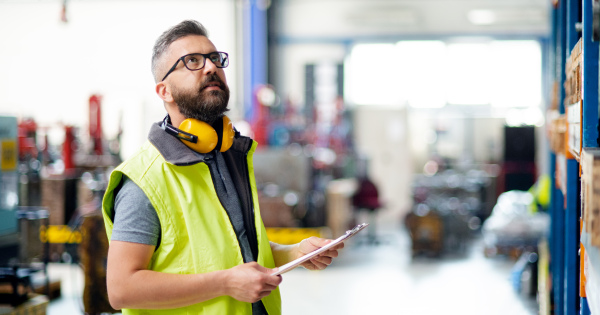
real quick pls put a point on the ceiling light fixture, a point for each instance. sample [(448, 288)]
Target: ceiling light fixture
[(481, 17)]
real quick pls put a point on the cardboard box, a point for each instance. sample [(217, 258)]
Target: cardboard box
[(590, 192), (53, 199), (340, 211), (573, 100), (275, 213), (574, 118), (558, 134), (574, 73)]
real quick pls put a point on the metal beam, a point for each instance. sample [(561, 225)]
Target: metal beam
[(256, 51), (571, 249), (590, 80)]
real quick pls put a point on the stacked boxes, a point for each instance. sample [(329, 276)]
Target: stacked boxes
[(340, 211), (53, 198), (558, 133), (573, 72), (590, 191), (275, 212), (573, 99)]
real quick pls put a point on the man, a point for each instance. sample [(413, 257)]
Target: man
[(185, 227)]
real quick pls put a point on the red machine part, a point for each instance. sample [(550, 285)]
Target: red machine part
[(27, 138), (96, 123), (264, 97), (69, 147)]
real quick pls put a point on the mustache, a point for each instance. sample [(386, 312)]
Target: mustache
[(212, 78)]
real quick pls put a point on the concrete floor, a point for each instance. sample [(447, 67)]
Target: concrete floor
[(379, 279)]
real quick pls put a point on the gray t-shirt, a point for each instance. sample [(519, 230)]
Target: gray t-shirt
[(135, 219)]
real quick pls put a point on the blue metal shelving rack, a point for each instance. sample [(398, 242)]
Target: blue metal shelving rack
[(590, 130), (255, 54), (557, 233), (565, 209)]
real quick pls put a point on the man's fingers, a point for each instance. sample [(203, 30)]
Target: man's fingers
[(261, 268), (318, 242), (330, 253), (317, 264), (314, 243), (273, 281), (324, 260), (339, 246), (270, 279), (269, 287)]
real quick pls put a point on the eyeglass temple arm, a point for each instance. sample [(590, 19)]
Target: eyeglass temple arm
[(172, 68)]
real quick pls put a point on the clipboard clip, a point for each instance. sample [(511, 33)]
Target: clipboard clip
[(357, 228)]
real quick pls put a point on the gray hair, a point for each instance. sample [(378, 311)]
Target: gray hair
[(185, 28)]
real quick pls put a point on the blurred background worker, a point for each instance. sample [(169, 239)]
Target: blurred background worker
[(366, 198)]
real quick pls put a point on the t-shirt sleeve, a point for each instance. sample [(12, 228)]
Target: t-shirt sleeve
[(135, 219)]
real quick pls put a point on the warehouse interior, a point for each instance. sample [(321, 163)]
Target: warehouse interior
[(465, 132)]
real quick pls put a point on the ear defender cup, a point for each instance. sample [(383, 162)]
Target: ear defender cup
[(227, 134), (209, 137)]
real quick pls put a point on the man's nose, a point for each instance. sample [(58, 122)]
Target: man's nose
[(209, 66)]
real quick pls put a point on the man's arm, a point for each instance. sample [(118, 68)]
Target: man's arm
[(283, 254), (131, 285)]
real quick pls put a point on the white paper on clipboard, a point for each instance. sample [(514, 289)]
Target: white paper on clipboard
[(295, 263)]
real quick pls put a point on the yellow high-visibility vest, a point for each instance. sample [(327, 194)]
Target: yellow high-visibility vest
[(196, 233)]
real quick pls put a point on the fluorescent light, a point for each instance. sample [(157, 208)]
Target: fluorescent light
[(481, 17)]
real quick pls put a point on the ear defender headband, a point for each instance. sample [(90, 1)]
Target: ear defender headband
[(200, 136)]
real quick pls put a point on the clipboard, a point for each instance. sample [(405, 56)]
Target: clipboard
[(295, 263)]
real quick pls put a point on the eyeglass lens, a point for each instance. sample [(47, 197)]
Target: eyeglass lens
[(196, 61)]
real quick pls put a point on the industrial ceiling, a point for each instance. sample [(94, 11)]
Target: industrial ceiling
[(301, 19)]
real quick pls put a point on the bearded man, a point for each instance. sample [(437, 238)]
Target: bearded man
[(182, 214)]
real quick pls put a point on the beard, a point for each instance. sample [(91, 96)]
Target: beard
[(206, 106)]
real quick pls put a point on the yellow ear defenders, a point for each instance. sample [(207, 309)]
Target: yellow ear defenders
[(202, 137)]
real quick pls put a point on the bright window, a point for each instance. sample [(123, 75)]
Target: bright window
[(517, 69), (432, 74), (423, 72), (469, 72), (372, 75)]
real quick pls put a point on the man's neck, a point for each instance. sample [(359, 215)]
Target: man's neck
[(176, 117)]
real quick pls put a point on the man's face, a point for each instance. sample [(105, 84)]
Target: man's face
[(201, 94)]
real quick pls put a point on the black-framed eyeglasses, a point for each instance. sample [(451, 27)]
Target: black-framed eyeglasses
[(196, 61)]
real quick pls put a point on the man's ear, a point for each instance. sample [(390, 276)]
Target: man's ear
[(164, 92)]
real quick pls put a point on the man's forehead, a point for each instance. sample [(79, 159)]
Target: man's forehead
[(190, 44)]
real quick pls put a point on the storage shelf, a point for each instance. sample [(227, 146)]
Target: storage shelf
[(574, 125), (592, 273)]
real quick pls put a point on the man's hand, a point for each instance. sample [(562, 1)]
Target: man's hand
[(322, 260), (251, 282)]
